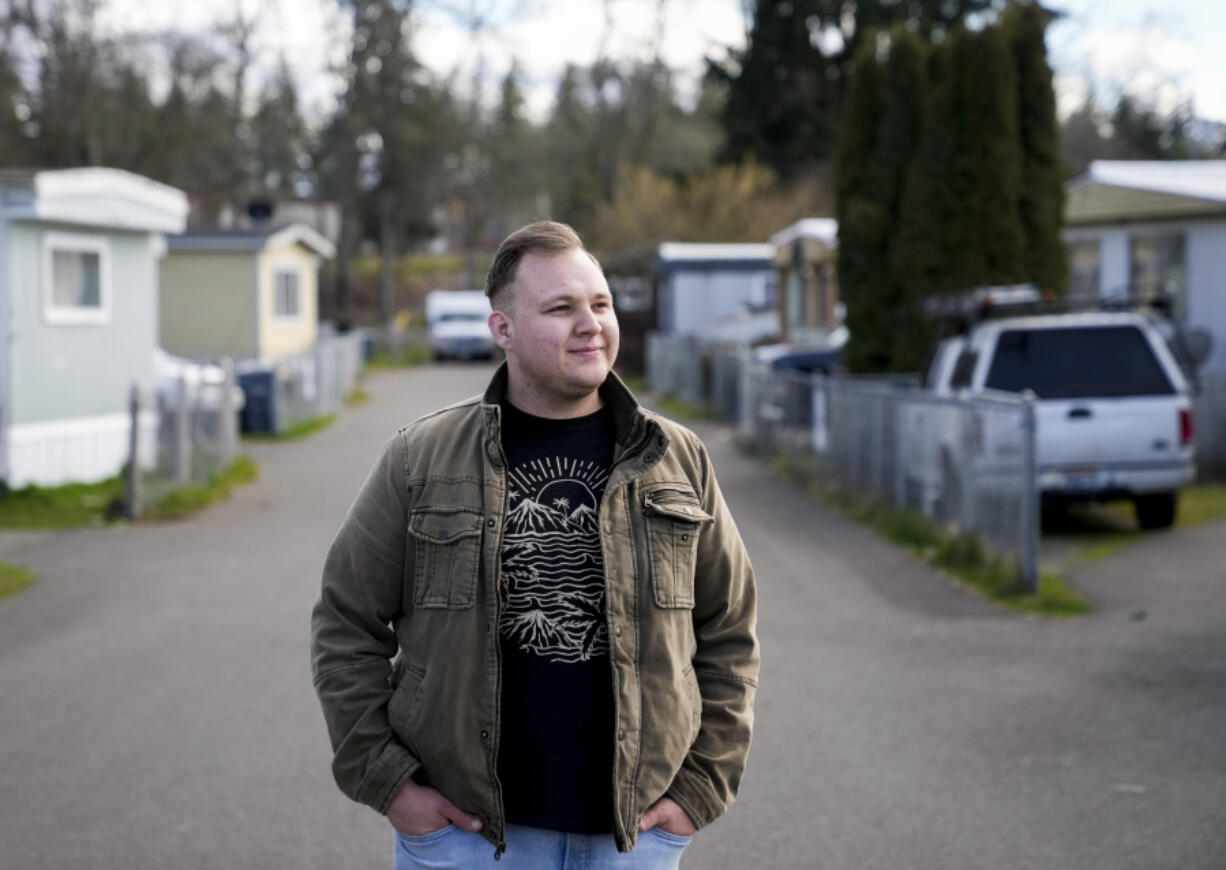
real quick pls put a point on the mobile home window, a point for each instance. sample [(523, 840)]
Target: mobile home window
[(1158, 268), (1084, 263), (285, 290), (76, 279)]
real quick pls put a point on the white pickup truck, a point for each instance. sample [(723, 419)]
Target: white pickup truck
[(1113, 413)]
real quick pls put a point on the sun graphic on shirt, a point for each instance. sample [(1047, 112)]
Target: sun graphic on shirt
[(551, 561)]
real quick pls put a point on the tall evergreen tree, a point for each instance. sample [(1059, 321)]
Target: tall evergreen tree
[(778, 107), (985, 230), (922, 254), (880, 133), (1042, 196), (864, 220), (787, 87), (902, 117)]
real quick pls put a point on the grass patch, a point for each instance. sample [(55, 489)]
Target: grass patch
[(961, 556), (637, 384), (13, 578), (299, 430), (190, 499), (356, 396), (410, 355), (683, 410), (95, 504), (1092, 532), (59, 507), (1201, 504)]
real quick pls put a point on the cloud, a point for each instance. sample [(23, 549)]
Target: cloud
[(548, 36), (1149, 62)]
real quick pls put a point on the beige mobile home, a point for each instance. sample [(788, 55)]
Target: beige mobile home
[(245, 294)]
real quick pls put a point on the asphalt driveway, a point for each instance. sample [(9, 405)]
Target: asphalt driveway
[(156, 708)]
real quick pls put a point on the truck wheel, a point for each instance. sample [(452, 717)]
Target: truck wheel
[(1155, 511)]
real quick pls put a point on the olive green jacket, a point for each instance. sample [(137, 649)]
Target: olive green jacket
[(404, 637)]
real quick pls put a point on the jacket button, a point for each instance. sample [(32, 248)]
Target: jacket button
[(489, 524), (621, 735), (485, 735), (618, 631), (608, 528), (649, 458)]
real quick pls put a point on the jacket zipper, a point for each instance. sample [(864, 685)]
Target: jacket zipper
[(619, 824), (502, 812)]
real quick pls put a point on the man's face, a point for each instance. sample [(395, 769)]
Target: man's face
[(561, 336)]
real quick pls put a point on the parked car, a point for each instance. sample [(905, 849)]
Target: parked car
[(812, 358), (1113, 412), (456, 324)]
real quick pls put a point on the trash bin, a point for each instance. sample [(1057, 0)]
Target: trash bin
[(259, 412)]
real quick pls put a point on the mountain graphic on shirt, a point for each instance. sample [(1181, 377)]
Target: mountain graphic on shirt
[(552, 564)]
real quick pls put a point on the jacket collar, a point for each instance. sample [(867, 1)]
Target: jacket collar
[(628, 417)]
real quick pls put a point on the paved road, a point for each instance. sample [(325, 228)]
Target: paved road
[(156, 708)]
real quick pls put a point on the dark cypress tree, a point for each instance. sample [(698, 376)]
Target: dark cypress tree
[(881, 130), (985, 232), (902, 118), (1042, 197), (921, 255), (864, 220)]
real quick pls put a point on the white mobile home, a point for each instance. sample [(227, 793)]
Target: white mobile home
[(1147, 227), (78, 318)]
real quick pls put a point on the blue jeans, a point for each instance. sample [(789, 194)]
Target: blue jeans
[(536, 849)]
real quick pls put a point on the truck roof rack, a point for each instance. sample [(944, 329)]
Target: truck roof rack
[(958, 313), (1018, 300)]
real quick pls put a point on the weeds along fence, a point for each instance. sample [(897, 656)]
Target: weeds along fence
[(968, 465)]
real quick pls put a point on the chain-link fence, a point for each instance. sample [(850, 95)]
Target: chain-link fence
[(703, 374), (304, 386), (782, 411), (195, 438), (316, 383), (967, 464)]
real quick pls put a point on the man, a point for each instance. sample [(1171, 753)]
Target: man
[(535, 639)]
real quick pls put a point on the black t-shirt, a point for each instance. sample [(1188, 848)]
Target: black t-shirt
[(555, 758)]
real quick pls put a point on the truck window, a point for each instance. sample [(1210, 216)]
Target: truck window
[(1076, 363), (964, 370)]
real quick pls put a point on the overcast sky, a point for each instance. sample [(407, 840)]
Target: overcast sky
[(1172, 50)]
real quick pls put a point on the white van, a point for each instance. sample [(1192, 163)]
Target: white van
[(456, 324)]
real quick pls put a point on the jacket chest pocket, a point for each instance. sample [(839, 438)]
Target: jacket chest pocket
[(674, 521), (447, 555)]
